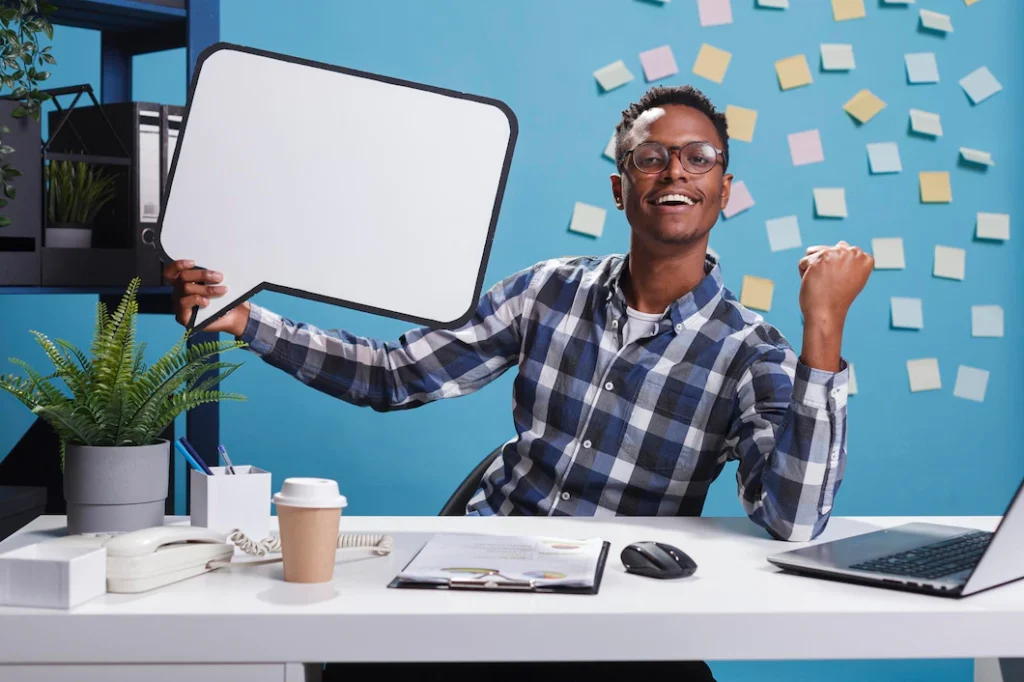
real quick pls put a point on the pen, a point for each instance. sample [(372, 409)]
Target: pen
[(227, 460), (195, 455), (188, 458)]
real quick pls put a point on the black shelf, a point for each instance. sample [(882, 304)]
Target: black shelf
[(120, 15)]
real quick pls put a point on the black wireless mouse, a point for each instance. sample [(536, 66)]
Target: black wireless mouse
[(657, 560)]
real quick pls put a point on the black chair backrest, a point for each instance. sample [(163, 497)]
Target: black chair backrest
[(456, 504)]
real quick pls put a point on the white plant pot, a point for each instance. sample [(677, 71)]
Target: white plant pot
[(68, 236)]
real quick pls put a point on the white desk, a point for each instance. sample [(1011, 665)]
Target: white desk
[(252, 616)]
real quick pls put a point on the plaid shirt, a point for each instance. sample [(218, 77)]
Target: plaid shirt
[(604, 428)]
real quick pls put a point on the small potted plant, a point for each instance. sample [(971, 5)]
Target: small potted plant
[(75, 193), (115, 464)]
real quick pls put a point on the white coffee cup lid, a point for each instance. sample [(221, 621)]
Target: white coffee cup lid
[(310, 492)]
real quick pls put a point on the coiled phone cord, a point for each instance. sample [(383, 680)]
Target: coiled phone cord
[(381, 545)]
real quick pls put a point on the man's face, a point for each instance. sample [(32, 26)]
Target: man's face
[(643, 195)]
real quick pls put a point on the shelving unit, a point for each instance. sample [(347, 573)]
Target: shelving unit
[(129, 28)]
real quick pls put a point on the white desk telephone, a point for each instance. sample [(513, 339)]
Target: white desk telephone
[(152, 557)]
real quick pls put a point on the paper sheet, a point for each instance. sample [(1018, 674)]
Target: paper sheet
[(714, 12), (907, 313), (936, 21), (830, 202), (884, 157), (993, 226), (712, 63), (805, 147), (741, 122), (844, 10), (980, 84), (613, 75), (977, 156), (587, 219), (888, 253), (864, 106), (658, 63), (935, 187), (756, 293), (950, 262), (837, 57), (987, 321), (924, 374), (783, 233), (971, 383), (739, 199), (925, 123), (922, 67), (793, 72)]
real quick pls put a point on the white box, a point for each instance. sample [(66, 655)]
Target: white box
[(52, 575), (226, 501)]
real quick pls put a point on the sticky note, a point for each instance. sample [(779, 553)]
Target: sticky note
[(936, 21), (757, 292), (993, 226), (851, 383), (888, 253), (987, 321), (587, 219), (713, 253), (793, 72), (711, 63), (884, 157), (922, 67), (658, 63), (970, 2), (980, 84), (864, 106), (837, 57), (843, 10), (783, 233), (977, 156), (739, 199), (741, 122), (925, 122), (805, 147), (907, 313), (949, 262), (971, 383), (774, 4), (924, 374), (613, 76), (830, 202), (898, 2), (609, 149), (714, 12), (935, 188)]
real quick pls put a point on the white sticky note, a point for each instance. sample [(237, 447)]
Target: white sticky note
[(613, 75), (980, 84), (884, 157), (830, 202), (851, 384), (907, 313), (977, 156), (888, 253), (993, 226), (837, 57), (587, 219), (898, 2), (922, 67), (609, 149), (739, 199), (950, 262), (924, 374), (774, 4), (936, 21), (987, 321), (971, 383), (925, 122), (783, 233)]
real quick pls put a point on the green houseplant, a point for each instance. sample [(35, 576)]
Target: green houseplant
[(75, 192), (115, 463)]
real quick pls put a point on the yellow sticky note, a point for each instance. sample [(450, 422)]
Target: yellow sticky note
[(711, 63), (740, 122), (793, 72), (970, 2), (864, 105), (935, 187), (757, 292), (847, 9)]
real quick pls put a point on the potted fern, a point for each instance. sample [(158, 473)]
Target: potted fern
[(75, 193), (114, 461)]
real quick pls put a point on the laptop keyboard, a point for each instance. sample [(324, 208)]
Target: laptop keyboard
[(934, 560)]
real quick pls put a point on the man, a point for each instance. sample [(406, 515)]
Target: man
[(639, 376)]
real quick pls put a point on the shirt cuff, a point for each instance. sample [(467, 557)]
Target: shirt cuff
[(261, 330), (820, 388)]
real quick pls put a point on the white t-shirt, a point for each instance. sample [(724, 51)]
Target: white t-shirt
[(639, 324)]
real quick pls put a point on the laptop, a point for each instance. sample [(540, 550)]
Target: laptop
[(941, 560)]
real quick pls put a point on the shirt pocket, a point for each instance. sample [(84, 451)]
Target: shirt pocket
[(659, 428)]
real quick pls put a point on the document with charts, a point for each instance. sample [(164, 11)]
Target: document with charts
[(507, 561)]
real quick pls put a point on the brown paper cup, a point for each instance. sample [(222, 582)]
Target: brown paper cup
[(309, 542)]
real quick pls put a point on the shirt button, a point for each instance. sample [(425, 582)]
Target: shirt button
[(565, 496), (679, 327), (609, 386), (615, 324), (586, 444)]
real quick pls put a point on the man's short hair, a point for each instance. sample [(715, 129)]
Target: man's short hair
[(685, 95)]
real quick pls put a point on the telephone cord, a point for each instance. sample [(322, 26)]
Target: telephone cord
[(380, 545)]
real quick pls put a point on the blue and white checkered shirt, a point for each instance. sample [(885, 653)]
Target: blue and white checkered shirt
[(604, 428)]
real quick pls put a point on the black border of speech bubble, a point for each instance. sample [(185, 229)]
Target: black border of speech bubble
[(267, 286)]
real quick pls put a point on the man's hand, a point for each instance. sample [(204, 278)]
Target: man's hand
[(188, 293)]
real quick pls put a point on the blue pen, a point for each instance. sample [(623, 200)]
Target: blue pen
[(195, 455), (188, 458), (227, 460)]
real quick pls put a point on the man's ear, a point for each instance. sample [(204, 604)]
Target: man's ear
[(726, 190), (617, 190)]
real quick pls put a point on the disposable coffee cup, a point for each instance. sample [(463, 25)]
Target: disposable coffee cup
[(309, 517)]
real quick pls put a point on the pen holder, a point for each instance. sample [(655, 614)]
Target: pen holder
[(224, 501)]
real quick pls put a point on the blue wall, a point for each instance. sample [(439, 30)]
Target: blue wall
[(925, 453)]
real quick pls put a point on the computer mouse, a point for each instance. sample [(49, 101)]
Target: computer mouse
[(657, 560)]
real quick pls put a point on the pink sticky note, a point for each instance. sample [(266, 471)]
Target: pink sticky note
[(714, 12), (658, 63), (805, 147), (739, 199)]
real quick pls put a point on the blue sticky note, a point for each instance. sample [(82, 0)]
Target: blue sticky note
[(783, 233), (987, 320), (907, 313), (922, 67), (980, 84), (971, 383), (884, 157)]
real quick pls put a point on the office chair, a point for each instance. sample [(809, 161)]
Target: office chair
[(456, 504)]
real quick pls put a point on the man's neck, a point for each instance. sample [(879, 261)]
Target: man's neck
[(656, 280)]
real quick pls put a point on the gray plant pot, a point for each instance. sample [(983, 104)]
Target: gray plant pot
[(115, 489), (68, 235)]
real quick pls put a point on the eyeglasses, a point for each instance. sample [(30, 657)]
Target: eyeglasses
[(654, 157)]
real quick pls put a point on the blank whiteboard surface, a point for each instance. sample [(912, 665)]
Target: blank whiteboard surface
[(337, 185)]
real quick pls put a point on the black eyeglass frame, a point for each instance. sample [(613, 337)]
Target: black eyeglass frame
[(678, 151)]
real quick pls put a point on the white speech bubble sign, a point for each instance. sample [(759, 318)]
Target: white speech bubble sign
[(327, 183)]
